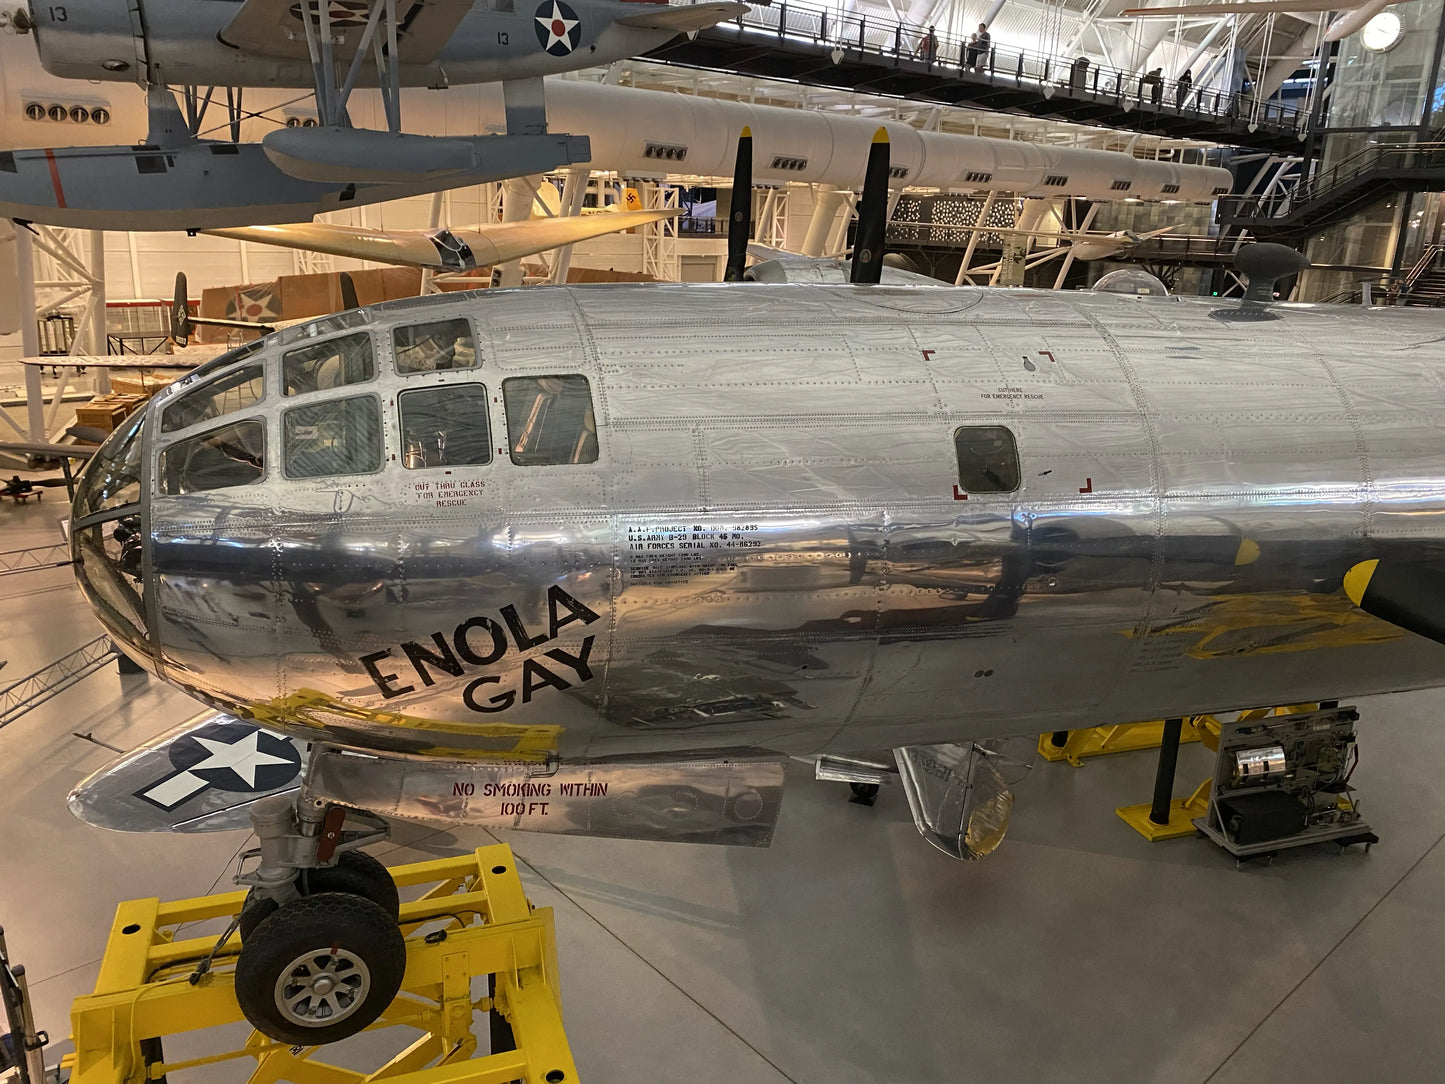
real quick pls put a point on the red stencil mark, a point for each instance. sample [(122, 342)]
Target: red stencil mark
[(1050, 355), (1088, 486), (958, 494), (928, 354)]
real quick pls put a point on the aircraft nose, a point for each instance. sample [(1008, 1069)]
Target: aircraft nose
[(107, 537)]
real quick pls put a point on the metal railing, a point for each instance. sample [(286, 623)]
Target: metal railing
[(1371, 160), (33, 560), (35, 689), (854, 36)]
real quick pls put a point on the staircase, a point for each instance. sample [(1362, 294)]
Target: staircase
[(1424, 286), (1339, 193)]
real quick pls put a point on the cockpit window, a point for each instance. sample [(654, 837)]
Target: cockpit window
[(233, 455), (224, 395), (333, 363), (335, 436), (109, 556), (988, 460), (113, 478), (225, 361), (550, 420), (445, 427), (442, 344)]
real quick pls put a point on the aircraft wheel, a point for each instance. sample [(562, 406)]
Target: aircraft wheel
[(355, 872), (320, 969), (864, 793)]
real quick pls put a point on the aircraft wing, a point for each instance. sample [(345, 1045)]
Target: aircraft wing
[(444, 250), (273, 28), (684, 20), (201, 777), (1239, 6), (55, 451), (116, 361)]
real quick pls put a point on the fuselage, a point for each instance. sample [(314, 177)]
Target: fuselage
[(180, 42), (783, 517)]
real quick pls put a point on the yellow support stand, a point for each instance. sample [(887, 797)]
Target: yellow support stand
[(1097, 740), (147, 988), (1182, 812)]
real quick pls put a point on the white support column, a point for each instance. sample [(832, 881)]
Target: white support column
[(838, 238), (774, 231), (659, 239), (825, 213), (135, 290), (973, 237), (98, 341), (1069, 256), (517, 196), (574, 191), (434, 219), (1014, 259), (30, 334)]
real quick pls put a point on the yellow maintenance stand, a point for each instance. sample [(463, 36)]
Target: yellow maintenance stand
[(1165, 817), (470, 920)]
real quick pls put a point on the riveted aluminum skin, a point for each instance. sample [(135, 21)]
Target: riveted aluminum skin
[(772, 550)]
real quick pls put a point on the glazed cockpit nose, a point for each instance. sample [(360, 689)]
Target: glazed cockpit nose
[(107, 535)]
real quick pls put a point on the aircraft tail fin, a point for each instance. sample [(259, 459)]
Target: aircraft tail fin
[(201, 777), (348, 292)]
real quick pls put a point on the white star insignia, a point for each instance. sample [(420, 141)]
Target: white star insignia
[(242, 757), (558, 28)]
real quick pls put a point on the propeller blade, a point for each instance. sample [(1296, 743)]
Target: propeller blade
[(872, 215), (181, 313), (1408, 595), (348, 292), (740, 214)]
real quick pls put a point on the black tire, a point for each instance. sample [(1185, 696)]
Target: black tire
[(355, 872), (334, 935)]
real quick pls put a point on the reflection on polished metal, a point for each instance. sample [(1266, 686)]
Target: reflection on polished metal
[(734, 801), (762, 521)]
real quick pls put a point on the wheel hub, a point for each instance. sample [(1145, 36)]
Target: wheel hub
[(320, 988)]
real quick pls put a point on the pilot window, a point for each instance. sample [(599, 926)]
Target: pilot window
[(988, 459), (337, 436), (445, 427), (427, 348), (550, 420), (225, 395), (234, 455), (330, 364)]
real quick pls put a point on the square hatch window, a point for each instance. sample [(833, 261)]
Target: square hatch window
[(988, 460), (445, 427), (234, 455), (235, 391), (334, 363), (429, 348), (550, 420), (337, 436)]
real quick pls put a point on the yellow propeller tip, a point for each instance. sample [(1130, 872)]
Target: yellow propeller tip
[(1357, 580), (880, 136), (1248, 552), (746, 133)]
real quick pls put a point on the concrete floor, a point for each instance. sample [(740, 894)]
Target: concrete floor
[(849, 951)]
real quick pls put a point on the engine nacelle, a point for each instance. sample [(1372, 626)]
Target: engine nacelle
[(90, 39)]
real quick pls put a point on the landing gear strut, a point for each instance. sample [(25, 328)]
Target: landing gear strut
[(321, 954)]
